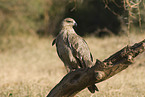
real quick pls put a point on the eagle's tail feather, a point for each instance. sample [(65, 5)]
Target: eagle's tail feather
[(93, 88)]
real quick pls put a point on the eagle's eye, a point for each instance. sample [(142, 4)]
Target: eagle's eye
[(69, 21)]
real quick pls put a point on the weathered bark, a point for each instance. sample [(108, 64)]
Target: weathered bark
[(76, 81)]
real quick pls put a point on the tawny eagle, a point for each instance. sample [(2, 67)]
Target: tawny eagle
[(73, 49)]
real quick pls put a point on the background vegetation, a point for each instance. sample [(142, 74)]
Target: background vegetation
[(43, 17), (29, 65)]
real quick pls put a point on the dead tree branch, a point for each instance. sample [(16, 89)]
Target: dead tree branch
[(77, 80)]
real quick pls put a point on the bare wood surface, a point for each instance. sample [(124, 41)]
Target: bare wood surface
[(77, 80)]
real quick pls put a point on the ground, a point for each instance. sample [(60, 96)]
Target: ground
[(30, 67)]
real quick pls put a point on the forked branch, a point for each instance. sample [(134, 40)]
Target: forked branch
[(77, 80)]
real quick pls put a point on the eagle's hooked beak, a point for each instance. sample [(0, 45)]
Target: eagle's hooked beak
[(75, 24)]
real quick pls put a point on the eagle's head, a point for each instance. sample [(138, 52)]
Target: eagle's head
[(68, 22)]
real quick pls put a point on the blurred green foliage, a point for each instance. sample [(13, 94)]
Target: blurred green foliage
[(43, 17), (20, 16)]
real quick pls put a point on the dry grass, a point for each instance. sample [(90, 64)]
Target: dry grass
[(30, 67)]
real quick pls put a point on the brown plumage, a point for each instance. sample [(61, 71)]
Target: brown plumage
[(72, 49)]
